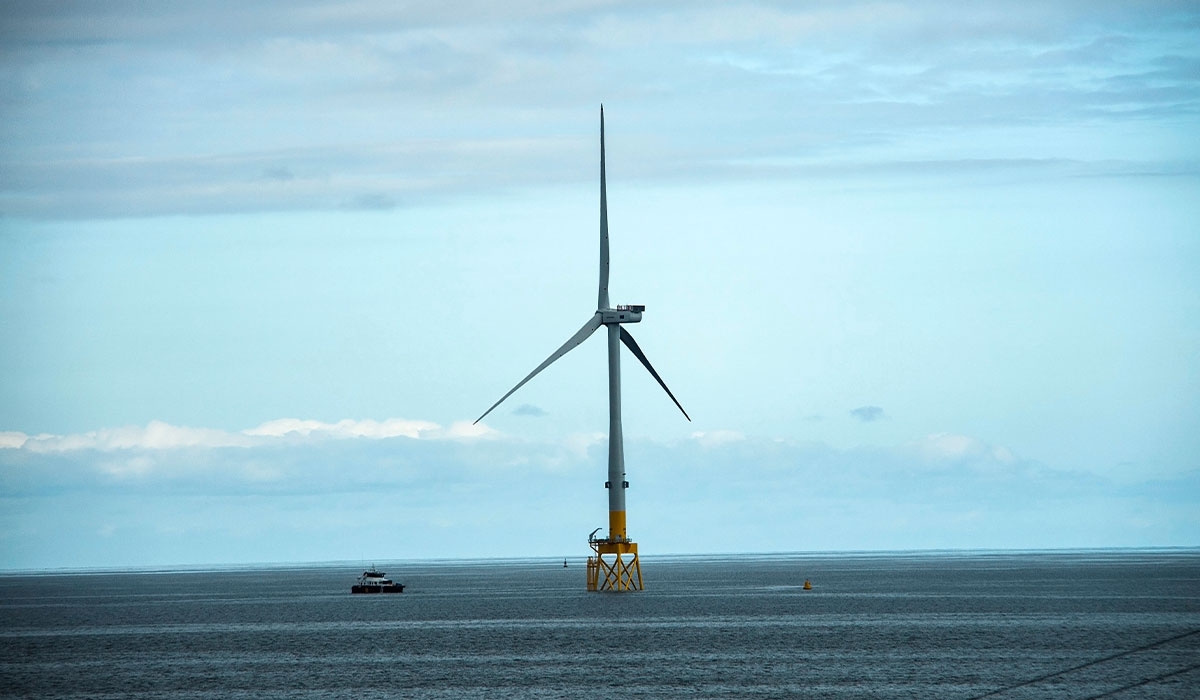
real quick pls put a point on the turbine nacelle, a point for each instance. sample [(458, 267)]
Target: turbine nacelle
[(624, 313)]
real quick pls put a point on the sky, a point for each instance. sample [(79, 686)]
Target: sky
[(923, 274)]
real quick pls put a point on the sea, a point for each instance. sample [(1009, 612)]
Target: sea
[(960, 625)]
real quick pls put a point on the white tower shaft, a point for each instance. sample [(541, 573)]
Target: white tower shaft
[(616, 451)]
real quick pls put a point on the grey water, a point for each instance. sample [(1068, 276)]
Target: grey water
[(1091, 624)]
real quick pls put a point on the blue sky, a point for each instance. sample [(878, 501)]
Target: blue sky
[(923, 274)]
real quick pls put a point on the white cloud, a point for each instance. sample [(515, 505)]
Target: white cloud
[(158, 435), (286, 426), (11, 440), (347, 428), (714, 438), (467, 430)]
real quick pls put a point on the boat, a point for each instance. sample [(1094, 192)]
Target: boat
[(373, 581)]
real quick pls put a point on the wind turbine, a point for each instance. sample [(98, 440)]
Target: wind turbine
[(619, 573)]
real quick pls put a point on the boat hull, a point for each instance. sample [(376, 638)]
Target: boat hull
[(393, 588)]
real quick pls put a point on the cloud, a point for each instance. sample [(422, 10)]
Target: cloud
[(392, 427), (156, 435), (467, 429), (161, 436), (943, 446), (299, 489), (12, 440), (867, 414), (376, 201), (374, 106), (380, 176), (949, 448), (528, 409), (713, 438), (306, 453)]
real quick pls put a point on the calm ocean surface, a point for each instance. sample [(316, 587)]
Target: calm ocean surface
[(1120, 624)]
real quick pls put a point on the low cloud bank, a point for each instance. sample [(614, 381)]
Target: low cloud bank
[(158, 435), (305, 490)]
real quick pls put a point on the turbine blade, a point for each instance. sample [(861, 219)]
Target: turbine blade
[(637, 352), (580, 336), (602, 297)]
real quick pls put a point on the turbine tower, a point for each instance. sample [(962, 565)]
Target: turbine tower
[(615, 566)]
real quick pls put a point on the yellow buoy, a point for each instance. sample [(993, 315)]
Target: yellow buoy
[(807, 585)]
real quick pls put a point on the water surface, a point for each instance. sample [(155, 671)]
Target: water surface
[(1122, 624)]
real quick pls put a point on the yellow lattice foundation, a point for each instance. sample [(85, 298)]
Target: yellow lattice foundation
[(614, 567)]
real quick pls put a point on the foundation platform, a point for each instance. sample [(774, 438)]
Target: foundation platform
[(614, 566)]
